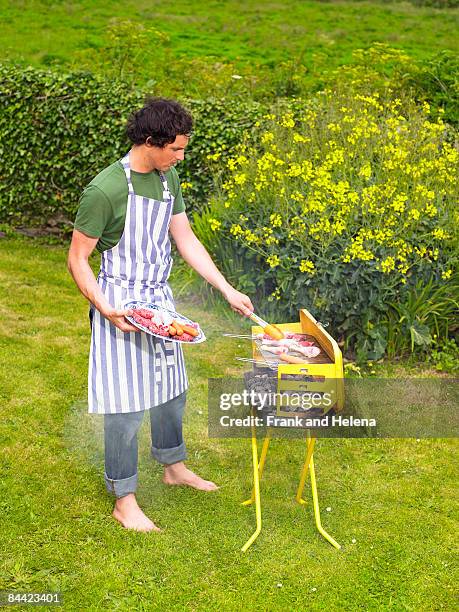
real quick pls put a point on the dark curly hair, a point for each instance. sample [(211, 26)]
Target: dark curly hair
[(161, 120)]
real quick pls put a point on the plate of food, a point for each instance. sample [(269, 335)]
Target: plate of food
[(163, 323)]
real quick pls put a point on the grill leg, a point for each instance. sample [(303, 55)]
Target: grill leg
[(261, 465), (309, 450), (256, 488), (315, 502)]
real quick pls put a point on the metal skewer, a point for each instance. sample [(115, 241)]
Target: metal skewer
[(271, 364), (241, 336)]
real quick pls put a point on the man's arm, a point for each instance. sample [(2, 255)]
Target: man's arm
[(80, 249), (194, 253)]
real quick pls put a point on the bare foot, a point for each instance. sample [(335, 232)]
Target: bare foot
[(179, 474), (128, 513)]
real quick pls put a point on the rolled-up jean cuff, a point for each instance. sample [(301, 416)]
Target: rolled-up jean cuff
[(122, 487), (169, 455)]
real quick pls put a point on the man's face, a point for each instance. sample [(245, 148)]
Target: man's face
[(166, 157)]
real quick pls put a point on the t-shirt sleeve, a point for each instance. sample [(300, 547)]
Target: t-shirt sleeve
[(94, 212), (179, 204)]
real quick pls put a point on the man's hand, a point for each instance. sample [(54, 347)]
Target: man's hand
[(238, 301), (117, 318)]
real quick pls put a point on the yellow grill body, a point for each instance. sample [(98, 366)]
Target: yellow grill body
[(317, 375), (323, 374)]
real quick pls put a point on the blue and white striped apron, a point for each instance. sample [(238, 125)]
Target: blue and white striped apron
[(134, 371)]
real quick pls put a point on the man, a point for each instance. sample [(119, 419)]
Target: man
[(127, 212)]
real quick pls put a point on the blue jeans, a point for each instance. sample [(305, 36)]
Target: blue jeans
[(121, 451)]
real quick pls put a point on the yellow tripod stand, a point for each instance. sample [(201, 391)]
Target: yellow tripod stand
[(324, 374), (258, 465)]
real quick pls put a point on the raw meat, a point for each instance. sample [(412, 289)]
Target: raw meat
[(185, 337), (276, 350), (307, 351), (158, 323), (144, 312)]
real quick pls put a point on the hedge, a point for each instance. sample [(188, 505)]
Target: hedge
[(57, 131)]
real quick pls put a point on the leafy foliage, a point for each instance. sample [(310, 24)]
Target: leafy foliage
[(59, 130), (347, 206), (445, 356)]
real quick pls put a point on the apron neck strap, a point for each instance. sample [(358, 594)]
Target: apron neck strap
[(127, 171), (163, 180)]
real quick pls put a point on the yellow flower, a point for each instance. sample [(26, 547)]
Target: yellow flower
[(267, 137), (403, 267), (439, 234), (275, 220), (273, 261), (250, 237), (287, 121), (240, 179), (307, 266), (430, 210), (300, 138), (215, 224), (357, 251), (186, 185), (446, 275), (398, 204), (236, 230), (275, 295), (214, 156), (365, 171), (387, 265), (334, 127), (296, 196), (339, 226), (421, 251)]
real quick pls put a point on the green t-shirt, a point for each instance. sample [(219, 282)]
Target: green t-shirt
[(102, 209)]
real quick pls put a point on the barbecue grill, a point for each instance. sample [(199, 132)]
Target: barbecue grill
[(320, 375)]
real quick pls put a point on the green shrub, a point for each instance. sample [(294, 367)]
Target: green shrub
[(437, 82), (445, 356), (59, 130), (347, 207), (427, 312), (381, 67)]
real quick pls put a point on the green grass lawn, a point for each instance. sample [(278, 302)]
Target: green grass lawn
[(244, 32), (391, 501)]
